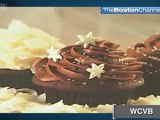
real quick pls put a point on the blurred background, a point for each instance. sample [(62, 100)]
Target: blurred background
[(66, 22)]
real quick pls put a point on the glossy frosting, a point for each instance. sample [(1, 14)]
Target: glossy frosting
[(76, 59), (148, 53), (21, 45)]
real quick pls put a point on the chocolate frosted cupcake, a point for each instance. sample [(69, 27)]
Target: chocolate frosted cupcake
[(148, 53), (91, 72), (20, 47)]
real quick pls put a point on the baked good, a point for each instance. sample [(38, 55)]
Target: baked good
[(91, 72), (20, 47), (148, 53)]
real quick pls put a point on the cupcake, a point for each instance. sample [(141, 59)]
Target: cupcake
[(92, 72), (148, 53), (20, 47)]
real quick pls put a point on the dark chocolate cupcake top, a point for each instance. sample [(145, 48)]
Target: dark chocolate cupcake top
[(148, 53), (92, 60)]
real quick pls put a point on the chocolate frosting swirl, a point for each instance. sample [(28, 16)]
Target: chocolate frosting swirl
[(76, 59), (148, 53)]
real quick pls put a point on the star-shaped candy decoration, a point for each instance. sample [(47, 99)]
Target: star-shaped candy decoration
[(54, 54), (96, 70), (86, 40)]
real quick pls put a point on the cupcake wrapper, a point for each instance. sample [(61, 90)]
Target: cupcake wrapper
[(18, 79), (150, 87), (91, 99)]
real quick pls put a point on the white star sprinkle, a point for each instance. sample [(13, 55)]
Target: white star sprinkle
[(86, 40), (54, 54), (96, 70)]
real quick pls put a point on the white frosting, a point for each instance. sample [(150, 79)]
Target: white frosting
[(22, 45)]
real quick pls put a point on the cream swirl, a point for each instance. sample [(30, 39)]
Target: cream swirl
[(76, 59), (148, 53)]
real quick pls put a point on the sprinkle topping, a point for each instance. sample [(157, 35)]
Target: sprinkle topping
[(86, 40), (54, 54), (96, 70)]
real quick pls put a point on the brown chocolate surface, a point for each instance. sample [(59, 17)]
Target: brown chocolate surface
[(148, 53), (120, 71)]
